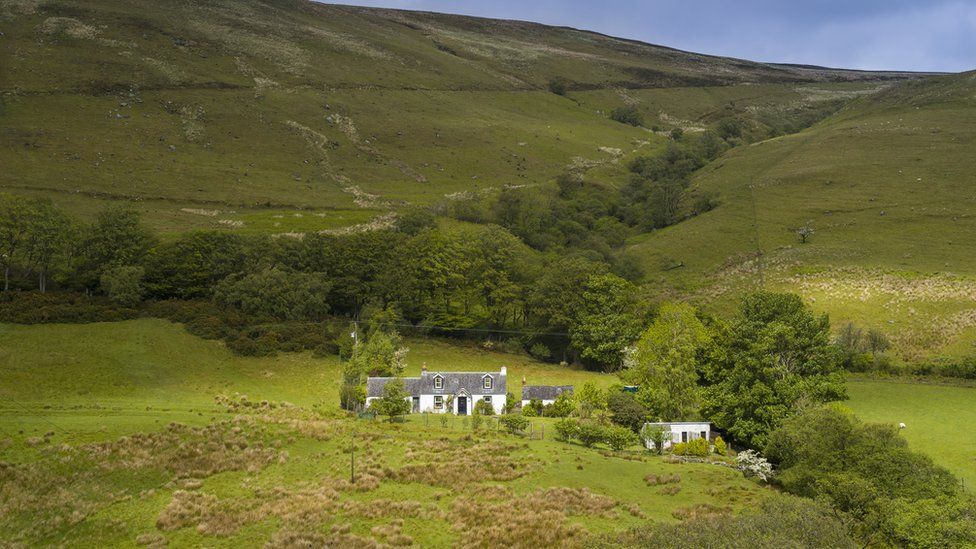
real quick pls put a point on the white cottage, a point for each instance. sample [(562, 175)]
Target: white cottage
[(683, 431), (447, 392)]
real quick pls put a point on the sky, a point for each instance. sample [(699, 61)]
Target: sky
[(922, 35)]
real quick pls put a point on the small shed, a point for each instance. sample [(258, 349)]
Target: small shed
[(683, 431)]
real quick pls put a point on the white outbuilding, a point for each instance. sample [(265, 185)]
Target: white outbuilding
[(683, 431)]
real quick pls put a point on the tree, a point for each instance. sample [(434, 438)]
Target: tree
[(117, 237), (589, 399), (192, 265), (773, 359), (804, 233), (627, 114), (394, 402), (123, 284), (48, 239), (666, 362), (15, 215), (514, 423), (606, 321), (276, 294), (656, 435), (619, 438), (557, 86), (626, 411)]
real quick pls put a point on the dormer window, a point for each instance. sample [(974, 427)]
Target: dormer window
[(487, 382), (438, 382)]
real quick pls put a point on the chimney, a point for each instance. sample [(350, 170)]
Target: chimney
[(504, 371), (423, 369), (523, 381)]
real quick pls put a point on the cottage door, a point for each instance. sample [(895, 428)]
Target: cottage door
[(462, 408), (416, 404)]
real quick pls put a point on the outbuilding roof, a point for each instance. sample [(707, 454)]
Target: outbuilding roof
[(544, 392)]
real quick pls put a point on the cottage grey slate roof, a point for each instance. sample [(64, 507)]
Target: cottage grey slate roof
[(454, 382), (375, 385), (544, 392)]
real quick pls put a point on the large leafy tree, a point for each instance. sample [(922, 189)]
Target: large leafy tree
[(277, 294), (394, 402), (606, 321), (666, 361), (775, 357), (116, 238), (190, 266), (16, 214)]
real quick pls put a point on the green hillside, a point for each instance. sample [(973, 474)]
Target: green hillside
[(290, 116), (887, 185)]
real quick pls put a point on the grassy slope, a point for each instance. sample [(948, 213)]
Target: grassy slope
[(256, 111), (938, 419), (886, 183), (96, 382)]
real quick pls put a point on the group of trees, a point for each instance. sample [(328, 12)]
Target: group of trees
[(885, 493)]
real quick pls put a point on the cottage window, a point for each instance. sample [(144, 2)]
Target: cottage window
[(488, 399), (438, 402), (684, 436), (487, 382), (704, 434), (438, 382)]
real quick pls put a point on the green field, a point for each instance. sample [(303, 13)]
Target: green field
[(96, 452), (937, 418)]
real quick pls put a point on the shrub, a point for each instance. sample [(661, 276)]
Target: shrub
[(697, 447), (627, 115), (533, 408), (561, 407), (540, 351), (476, 419), (754, 465), (123, 284), (557, 86), (619, 438), (720, 447), (626, 411), (567, 429), (657, 435), (41, 308), (589, 433), (514, 423), (484, 408)]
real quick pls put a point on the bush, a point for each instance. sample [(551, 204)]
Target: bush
[(754, 465), (626, 411), (657, 435), (589, 433), (627, 115), (484, 408), (514, 423), (567, 429), (698, 447), (720, 447), (679, 448), (540, 351), (533, 408), (123, 284), (619, 438), (38, 308), (561, 407), (557, 86)]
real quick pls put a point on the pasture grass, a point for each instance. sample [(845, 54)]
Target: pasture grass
[(137, 432), (938, 419)]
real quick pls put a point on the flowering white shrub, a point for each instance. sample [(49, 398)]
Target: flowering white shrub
[(753, 464)]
